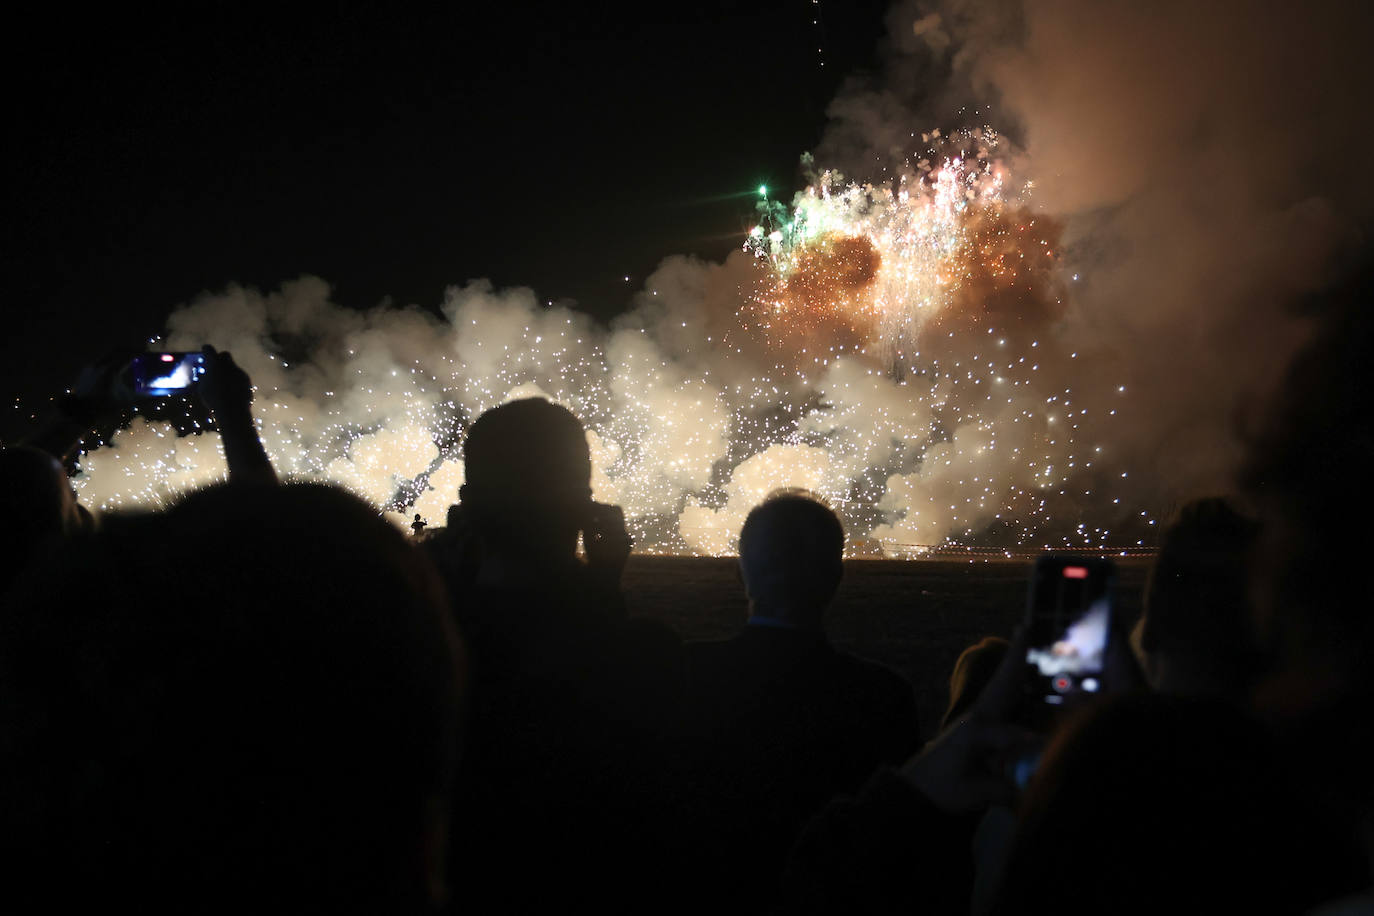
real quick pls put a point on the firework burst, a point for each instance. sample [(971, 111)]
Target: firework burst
[(891, 348)]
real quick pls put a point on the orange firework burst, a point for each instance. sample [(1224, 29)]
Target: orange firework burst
[(867, 268), (827, 292)]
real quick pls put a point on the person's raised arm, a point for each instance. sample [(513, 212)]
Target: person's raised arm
[(228, 392)]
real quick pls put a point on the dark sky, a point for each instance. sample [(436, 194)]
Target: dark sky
[(560, 146)]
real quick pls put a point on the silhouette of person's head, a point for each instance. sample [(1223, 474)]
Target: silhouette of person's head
[(1308, 475), (261, 703), (37, 506), (527, 482), (972, 672), (791, 558), (1195, 635)]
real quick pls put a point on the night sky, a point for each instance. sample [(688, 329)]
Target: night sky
[(558, 146)]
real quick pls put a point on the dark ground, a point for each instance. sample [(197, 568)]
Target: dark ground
[(914, 616)]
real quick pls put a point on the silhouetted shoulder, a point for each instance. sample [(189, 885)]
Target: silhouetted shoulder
[(887, 697), (766, 671), (881, 679), (653, 635)]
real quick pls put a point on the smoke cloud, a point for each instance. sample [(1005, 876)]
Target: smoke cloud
[(1203, 160)]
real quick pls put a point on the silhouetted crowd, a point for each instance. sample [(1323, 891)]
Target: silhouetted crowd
[(267, 698)]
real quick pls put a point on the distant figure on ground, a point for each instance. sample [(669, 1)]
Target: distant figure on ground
[(781, 720), (572, 700), (417, 527), (1196, 637)]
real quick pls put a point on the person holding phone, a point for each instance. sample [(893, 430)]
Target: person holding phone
[(227, 391), (1122, 801), (39, 502), (106, 391), (526, 501), (573, 701)]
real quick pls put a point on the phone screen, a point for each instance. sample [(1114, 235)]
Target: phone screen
[(1069, 622), (160, 375)]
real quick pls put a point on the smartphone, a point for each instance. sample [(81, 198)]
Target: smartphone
[(1068, 625), (161, 375)]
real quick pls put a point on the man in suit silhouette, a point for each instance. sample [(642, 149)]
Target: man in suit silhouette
[(781, 720)]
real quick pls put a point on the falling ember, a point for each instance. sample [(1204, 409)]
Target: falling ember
[(889, 347)]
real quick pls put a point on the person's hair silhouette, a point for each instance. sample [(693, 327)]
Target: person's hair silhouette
[(973, 671), (1195, 635), (791, 558), (527, 482)]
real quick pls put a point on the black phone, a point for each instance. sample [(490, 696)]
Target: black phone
[(162, 375), (1069, 607), (1068, 625)]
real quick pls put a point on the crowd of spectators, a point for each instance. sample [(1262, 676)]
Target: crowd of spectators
[(266, 697)]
